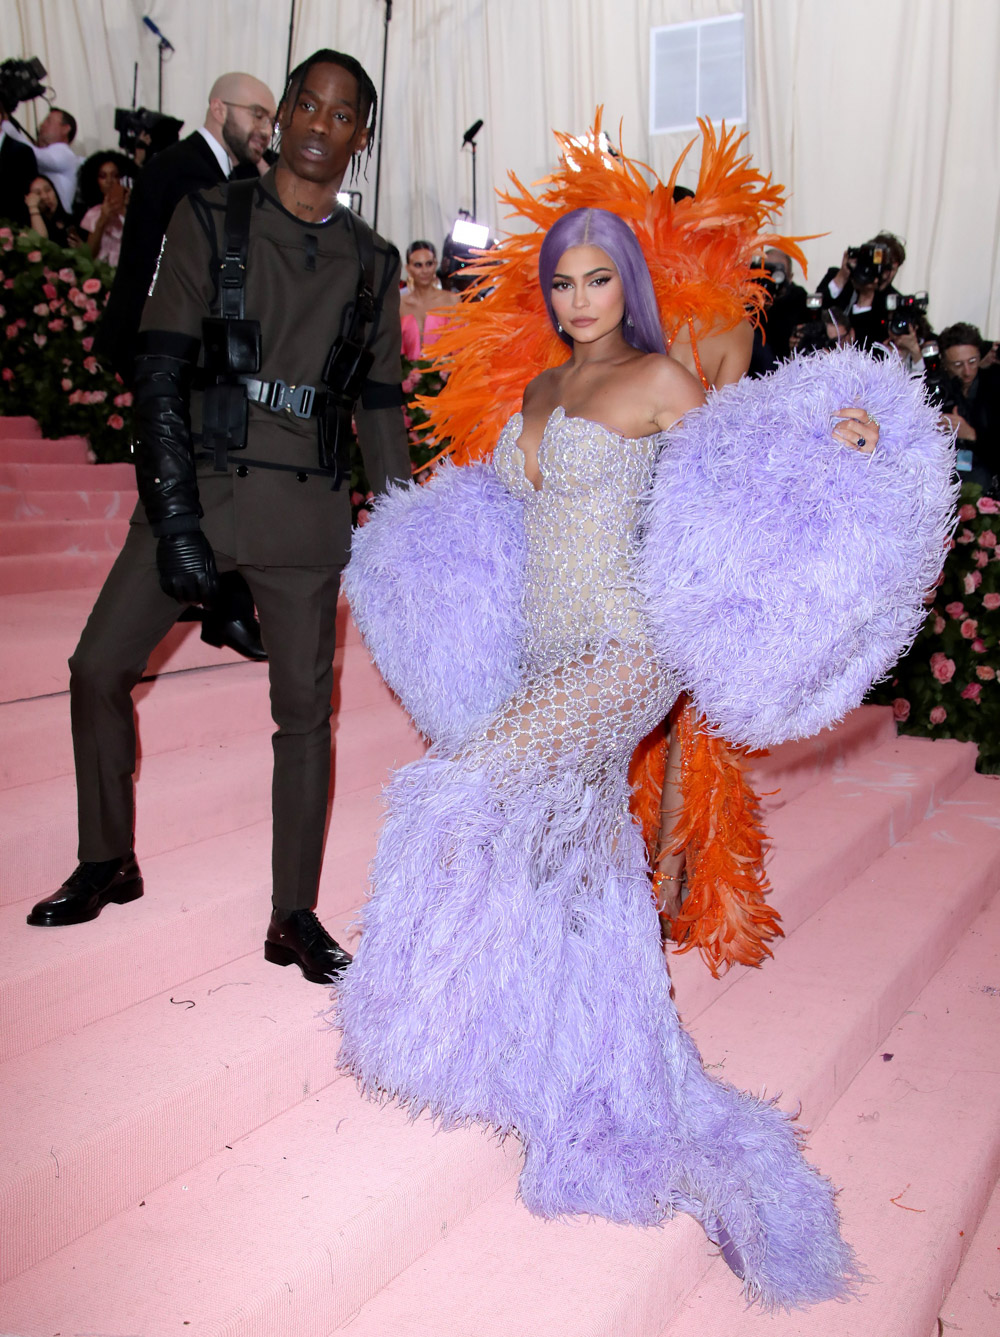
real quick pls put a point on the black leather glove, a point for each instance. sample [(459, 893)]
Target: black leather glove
[(187, 567)]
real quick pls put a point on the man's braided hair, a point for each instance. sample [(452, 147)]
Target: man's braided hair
[(367, 105)]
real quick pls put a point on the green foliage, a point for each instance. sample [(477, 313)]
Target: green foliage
[(948, 686), (50, 301)]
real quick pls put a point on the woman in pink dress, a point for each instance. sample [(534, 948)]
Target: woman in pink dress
[(423, 305), (105, 199)]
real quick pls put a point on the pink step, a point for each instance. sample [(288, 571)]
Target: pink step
[(793, 767), (38, 633), (68, 450), (973, 1302), (324, 1254), (20, 429), (56, 538), (34, 573), (590, 1279), (176, 711), (915, 1144), (879, 797), (184, 796), (68, 505), (24, 477)]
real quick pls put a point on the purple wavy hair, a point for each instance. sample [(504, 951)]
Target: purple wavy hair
[(598, 227)]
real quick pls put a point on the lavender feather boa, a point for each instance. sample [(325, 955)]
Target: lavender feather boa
[(781, 574)]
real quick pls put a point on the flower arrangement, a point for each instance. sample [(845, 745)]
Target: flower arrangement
[(50, 301), (948, 685)]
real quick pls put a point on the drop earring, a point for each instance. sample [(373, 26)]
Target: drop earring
[(559, 328)]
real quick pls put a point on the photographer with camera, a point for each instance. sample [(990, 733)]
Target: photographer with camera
[(20, 80), (861, 285), (53, 156), (229, 146), (973, 405)]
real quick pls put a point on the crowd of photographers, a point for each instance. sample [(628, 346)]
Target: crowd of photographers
[(859, 303)]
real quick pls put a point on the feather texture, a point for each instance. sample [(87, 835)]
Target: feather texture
[(435, 583), (784, 574)]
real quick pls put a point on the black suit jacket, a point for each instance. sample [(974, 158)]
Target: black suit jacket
[(172, 175), (17, 171), (870, 327)]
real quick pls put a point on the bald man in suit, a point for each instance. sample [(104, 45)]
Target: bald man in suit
[(238, 124)]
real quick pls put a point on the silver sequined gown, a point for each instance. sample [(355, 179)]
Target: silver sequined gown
[(510, 969)]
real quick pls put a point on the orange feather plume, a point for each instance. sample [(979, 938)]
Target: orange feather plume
[(700, 253)]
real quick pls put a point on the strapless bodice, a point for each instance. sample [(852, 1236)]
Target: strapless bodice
[(581, 529)]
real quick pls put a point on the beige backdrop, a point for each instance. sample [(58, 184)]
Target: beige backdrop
[(873, 112)]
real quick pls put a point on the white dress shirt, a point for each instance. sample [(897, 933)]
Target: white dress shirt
[(221, 156), (56, 161)]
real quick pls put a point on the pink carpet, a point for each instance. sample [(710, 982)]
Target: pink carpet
[(180, 1156)]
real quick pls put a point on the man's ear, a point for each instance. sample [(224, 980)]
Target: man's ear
[(362, 140), (217, 107)]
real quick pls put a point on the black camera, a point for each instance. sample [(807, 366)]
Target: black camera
[(772, 278), (138, 128), (870, 262), (940, 391), (20, 81), (905, 311)]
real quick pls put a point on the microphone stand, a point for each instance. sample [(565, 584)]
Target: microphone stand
[(381, 119)]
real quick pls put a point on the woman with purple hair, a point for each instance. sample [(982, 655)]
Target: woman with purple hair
[(510, 968)]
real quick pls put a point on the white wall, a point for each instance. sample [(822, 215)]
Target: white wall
[(872, 112)]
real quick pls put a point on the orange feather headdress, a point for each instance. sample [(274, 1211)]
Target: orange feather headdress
[(701, 254)]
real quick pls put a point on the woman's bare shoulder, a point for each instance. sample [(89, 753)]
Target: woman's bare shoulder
[(667, 386)]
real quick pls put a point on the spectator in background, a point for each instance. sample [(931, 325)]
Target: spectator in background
[(860, 292), (47, 217), (972, 365), (53, 156), (909, 345), (785, 309), (103, 199), (238, 126), (424, 303)]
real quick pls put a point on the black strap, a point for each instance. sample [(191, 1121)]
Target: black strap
[(233, 269), (363, 309)]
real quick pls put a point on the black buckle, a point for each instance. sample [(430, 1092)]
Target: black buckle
[(295, 399)]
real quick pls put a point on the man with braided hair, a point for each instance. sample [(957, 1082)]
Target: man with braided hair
[(290, 303)]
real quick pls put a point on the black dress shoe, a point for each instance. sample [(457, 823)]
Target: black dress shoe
[(87, 891), (301, 940), (231, 620)]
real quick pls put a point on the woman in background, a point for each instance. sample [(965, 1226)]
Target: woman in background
[(103, 197), (424, 303), (47, 217)]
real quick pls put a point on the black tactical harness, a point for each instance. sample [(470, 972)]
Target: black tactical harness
[(232, 346)]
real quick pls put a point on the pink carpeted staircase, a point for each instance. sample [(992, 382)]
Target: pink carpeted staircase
[(180, 1155)]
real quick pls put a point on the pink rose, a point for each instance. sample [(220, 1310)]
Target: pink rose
[(363, 517), (967, 512), (971, 693), (966, 536), (988, 506), (969, 628), (942, 667), (40, 340), (78, 323), (76, 397), (979, 646), (91, 285), (411, 382), (124, 400), (901, 709), (67, 275), (938, 715), (91, 314), (955, 610), (87, 344), (12, 331), (41, 309), (6, 233), (985, 672), (981, 558), (34, 257), (939, 624), (968, 584), (8, 373), (90, 364), (77, 297), (991, 601), (57, 326), (987, 539), (66, 384), (49, 291), (96, 396), (116, 421)]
